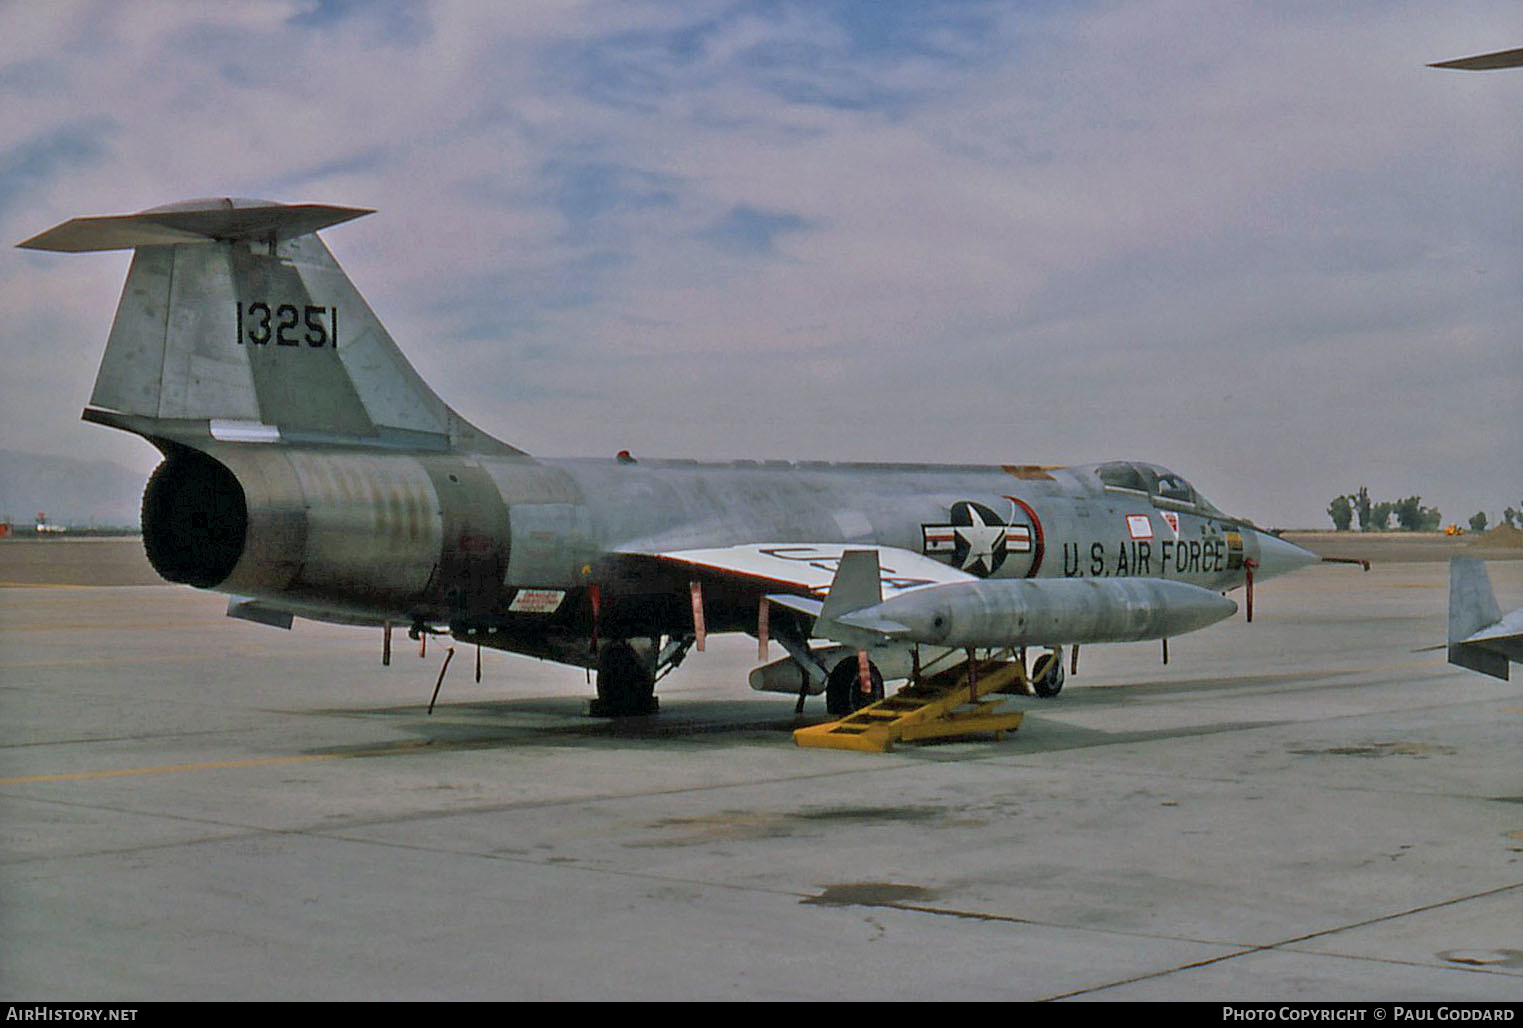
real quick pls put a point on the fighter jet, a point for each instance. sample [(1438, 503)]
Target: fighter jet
[(308, 471), (1480, 637)]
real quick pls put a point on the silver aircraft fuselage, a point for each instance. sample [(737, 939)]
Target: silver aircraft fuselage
[(541, 555)]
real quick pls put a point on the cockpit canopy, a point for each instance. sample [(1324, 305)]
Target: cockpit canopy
[(1161, 485)]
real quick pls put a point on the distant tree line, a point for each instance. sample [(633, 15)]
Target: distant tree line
[(1409, 513), (1376, 515)]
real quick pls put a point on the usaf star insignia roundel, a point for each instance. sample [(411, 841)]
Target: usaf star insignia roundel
[(976, 541)]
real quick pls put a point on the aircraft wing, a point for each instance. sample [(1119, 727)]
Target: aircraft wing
[(800, 576), (812, 566)]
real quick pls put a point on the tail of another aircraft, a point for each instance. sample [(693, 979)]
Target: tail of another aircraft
[(237, 323), (1479, 638), (1472, 601)]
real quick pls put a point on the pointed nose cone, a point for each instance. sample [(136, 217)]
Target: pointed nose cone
[(1278, 557)]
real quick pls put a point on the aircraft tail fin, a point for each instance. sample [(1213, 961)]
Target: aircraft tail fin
[(1472, 601), (1472, 607), (236, 323)]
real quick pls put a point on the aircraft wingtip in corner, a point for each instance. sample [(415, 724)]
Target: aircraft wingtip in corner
[(1484, 62), (309, 471)]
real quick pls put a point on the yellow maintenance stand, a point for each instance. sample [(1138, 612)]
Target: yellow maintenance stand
[(948, 703)]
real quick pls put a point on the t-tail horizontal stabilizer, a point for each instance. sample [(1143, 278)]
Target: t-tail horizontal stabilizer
[(198, 221), (1480, 637)]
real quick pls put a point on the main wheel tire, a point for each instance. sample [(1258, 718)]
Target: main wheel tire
[(1047, 675), (843, 689), (626, 682)]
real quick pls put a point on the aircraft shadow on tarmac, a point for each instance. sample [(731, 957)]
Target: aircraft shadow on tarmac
[(555, 721), (559, 721)]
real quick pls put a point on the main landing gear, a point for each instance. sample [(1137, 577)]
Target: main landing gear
[(626, 680), (1046, 676), (628, 670), (843, 688)]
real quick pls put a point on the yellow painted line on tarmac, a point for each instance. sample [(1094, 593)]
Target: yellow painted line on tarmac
[(215, 765), (114, 626), (40, 585), (176, 658), (221, 765), (83, 587), (44, 632), (171, 769)]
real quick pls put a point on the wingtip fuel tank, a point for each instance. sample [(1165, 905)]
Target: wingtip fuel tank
[(1020, 612)]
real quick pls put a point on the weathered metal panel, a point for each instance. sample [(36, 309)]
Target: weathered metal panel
[(374, 525)]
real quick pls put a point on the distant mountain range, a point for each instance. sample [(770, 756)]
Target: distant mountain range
[(73, 492)]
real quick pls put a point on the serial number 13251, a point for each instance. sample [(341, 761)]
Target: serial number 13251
[(287, 325)]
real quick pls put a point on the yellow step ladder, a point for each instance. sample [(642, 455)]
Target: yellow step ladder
[(945, 704)]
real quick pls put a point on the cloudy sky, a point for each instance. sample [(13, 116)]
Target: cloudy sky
[(1260, 243)]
